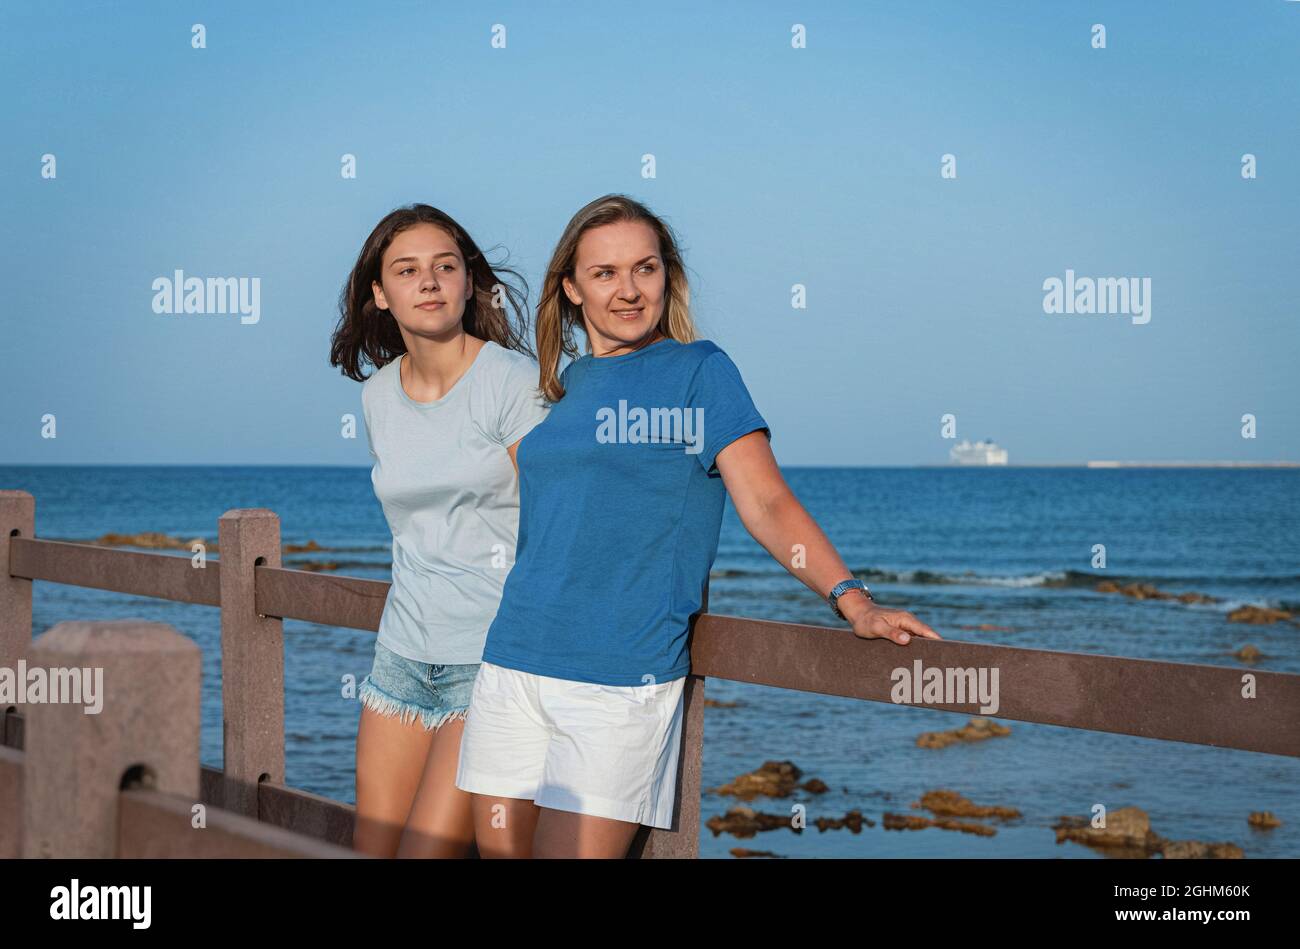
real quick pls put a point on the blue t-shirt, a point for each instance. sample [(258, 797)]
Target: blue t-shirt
[(620, 504)]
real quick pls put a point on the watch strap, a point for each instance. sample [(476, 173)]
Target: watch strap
[(843, 587)]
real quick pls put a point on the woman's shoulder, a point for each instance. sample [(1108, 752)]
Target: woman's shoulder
[(702, 348), (377, 377), (506, 356), (696, 353), (505, 363)]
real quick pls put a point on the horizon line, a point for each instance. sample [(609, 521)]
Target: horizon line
[(1093, 464)]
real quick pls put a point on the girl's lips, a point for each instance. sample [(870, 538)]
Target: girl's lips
[(427, 306)]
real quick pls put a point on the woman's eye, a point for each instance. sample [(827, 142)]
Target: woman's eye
[(649, 268), (405, 271), (601, 273)]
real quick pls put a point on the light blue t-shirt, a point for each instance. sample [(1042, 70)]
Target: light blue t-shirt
[(451, 497), (620, 508)]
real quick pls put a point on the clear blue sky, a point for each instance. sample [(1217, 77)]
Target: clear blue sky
[(776, 166)]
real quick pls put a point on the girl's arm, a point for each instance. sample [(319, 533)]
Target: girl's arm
[(775, 518)]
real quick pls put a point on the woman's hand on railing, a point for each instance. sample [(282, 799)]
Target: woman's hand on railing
[(872, 621)]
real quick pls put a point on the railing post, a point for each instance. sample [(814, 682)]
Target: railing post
[(17, 519), (252, 660), (683, 840), (144, 678)]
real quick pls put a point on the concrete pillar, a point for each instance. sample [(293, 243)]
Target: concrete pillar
[(145, 681), (252, 660)]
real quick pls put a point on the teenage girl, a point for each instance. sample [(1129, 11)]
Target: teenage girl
[(575, 721), (454, 392)]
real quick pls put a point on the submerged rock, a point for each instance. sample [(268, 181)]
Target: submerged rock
[(151, 540), (746, 822), (951, 804), (1128, 833), (773, 779), (1263, 820), (715, 703), (310, 547), (1127, 829), (916, 822), (1196, 850), (977, 729), (1148, 591), (1257, 615), (853, 820), (1144, 591)]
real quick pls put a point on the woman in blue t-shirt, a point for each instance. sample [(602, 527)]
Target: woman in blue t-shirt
[(454, 392), (575, 721)]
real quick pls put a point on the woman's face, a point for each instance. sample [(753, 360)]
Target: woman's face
[(619, 283), (423, 282)]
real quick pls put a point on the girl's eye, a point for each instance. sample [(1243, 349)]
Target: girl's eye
[(649, 268), (405, 270), (601, 273)]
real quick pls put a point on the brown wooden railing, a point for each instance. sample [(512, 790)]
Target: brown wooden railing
[(1210, 705)]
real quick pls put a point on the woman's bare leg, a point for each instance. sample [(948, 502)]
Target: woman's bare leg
[(391, 758), (504, 826), (441, 822), (566, 834)]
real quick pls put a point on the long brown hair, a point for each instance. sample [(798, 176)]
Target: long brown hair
[(365, 332), (557, 315)]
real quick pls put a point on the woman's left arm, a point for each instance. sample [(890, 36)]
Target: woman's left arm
[(775, 518)]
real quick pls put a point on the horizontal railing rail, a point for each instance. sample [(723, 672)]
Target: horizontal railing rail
[(1142, 697)]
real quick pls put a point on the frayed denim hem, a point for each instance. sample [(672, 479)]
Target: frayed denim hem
[(380, 702)]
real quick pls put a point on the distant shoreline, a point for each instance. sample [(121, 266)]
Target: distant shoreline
[(1194, 464), (1143, 464)]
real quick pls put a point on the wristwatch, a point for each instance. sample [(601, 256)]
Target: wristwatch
[(843, 587)]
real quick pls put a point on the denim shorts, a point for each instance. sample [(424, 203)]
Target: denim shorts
[(397, 686)]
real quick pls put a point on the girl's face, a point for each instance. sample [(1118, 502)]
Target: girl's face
[(619, 283), (423, 282)]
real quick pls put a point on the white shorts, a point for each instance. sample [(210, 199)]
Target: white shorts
[(605, 750)]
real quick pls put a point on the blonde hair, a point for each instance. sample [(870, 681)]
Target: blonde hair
[(557, 315)]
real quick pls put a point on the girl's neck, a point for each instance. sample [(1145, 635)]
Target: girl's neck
[(433, 366)]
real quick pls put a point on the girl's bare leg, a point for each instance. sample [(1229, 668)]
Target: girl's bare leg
[(441, 821), (391, 759)]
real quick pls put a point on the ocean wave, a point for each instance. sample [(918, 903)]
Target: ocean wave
[(1081, 579), (931, 577)]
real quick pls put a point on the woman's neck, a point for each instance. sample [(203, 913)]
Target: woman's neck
[(626, 348)]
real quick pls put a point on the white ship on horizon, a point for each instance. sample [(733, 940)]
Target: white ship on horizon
[(982, 452)]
